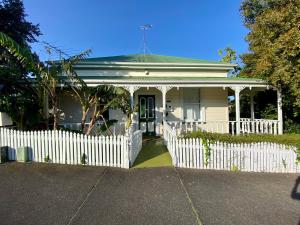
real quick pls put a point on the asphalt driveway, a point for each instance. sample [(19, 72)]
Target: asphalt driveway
[(58, 194)]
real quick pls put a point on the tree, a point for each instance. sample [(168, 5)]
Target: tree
[(17, 64), (274, 48), (45, 82), (14, 24), (84, 95), (228, 55), (18, 97), (55, 74), (97, 100)]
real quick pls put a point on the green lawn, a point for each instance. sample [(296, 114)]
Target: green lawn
[(153, 154)]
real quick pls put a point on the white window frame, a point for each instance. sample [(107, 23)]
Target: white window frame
[(200, 106)]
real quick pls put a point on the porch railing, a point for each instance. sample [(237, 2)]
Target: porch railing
[(259, 126), (247, 126), (191, 126)]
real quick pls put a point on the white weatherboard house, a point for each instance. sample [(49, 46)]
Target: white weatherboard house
[(189, 94)]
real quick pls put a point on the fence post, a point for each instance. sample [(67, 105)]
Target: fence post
[(279, 110), (127, 152), (129, 136), (173, 141)]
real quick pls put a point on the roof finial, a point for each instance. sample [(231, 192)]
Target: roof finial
[(144, 28)]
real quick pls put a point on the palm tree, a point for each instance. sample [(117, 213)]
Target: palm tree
[(49, 76), (97, 100), (22, 54), (84, 94), (19, 98)]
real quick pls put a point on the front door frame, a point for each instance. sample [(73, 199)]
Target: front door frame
[(147, 119)]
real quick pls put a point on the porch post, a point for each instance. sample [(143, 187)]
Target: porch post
[(279, 110), (131, 91), (252, 106), (237, 109), (164, 92)]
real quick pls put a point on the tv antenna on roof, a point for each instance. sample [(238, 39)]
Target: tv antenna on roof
[(144, 28)]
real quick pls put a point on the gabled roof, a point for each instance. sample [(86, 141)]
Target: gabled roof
[(148, 58)]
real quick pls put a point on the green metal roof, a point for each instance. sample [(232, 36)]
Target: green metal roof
[(148, 58)]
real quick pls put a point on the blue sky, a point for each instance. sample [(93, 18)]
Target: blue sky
[(186, 28)]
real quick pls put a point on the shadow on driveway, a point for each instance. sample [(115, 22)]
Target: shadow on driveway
[(295, 194)]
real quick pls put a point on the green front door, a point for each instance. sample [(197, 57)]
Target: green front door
[(147, 114)]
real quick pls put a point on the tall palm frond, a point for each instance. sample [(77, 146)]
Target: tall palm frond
[(22, 54)]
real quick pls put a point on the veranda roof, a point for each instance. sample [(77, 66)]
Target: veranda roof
[(176, 81)]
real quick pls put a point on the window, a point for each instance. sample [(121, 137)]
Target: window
[(151, 107), (142, 107), (191, 104)]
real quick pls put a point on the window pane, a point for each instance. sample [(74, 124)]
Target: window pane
[(191, 104), (142, 107), (192, 111), (150, 107)]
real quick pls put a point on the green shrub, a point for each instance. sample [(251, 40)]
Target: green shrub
[(291, 127), (70, 130), (47, 159), (234, 168), (83, 159), (298, 155), (287, 139)]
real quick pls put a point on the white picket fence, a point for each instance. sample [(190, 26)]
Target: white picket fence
[(68, 148), (254, 157), (135, 145)]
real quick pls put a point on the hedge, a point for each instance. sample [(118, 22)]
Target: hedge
[(287, 139)]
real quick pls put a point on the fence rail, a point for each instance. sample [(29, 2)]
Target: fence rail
[(115, 129), (255, 157), (68, 148)]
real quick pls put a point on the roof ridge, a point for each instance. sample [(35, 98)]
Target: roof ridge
[(148, 58)]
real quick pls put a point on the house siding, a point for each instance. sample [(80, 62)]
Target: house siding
[(70, 107), (151, 73), (215, 102), (5, 120), (213, 105)]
